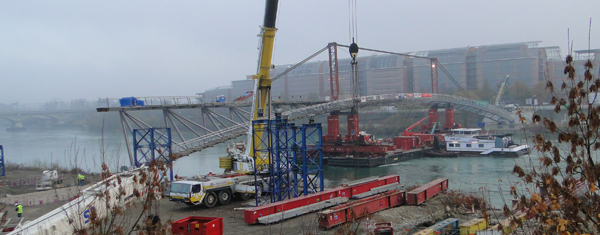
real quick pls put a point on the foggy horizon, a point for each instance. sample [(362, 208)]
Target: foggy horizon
[(88, 50)]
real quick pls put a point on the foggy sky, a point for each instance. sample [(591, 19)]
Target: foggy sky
[(66, 50)]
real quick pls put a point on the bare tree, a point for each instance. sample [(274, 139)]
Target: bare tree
[(560, 194)]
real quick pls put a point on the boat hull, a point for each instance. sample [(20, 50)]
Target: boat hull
[(373, 161), (442, 154), (502, 154)]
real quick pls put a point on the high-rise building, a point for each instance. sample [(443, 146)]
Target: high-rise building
[(471, 67)]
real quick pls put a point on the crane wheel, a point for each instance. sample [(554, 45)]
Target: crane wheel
[(245, 196), (224, 197), (210, 200)]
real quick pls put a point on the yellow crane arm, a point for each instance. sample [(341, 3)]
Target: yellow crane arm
[(262, 91)]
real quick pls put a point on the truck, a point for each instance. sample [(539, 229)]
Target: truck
[(209, 190), (221, 99), (49, 180), (237, 180)]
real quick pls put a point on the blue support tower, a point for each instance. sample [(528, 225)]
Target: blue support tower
[(262, 152), (288, 160), (281, 174), (152, 144), (2, 165), (308, 159)]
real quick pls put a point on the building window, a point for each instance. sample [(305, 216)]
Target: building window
[(468, 145), (450, 145), (481, 145)]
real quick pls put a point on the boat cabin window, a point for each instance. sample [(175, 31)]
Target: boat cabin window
[(468, 145), (457, 145), (481, 145), (450, 145)]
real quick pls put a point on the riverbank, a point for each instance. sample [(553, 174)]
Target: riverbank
[(405, 219), (22, 178)]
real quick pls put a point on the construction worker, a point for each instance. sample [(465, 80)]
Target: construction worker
[(81, 179), (18, 209), (210, 173)]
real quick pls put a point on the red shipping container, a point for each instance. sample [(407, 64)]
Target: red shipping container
[(197, 225), (347, 212), (398, 198), (444, 184), (406, 142), (415, 197), (429, 190), (368, 207), (329, 218), (433, 190)]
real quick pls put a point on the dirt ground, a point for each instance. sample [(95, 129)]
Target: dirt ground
[(20, 180), (403, 218)]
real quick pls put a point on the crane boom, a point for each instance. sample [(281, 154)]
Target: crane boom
[(262, 84), (501, 91), (407, 131)]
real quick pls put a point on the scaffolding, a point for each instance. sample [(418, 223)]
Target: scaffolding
[(152, 144), (288, 159), (308, 160)]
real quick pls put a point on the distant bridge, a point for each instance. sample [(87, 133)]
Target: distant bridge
[(49, 116), (214, 127)]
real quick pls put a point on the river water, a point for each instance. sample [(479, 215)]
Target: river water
[(80, 148)]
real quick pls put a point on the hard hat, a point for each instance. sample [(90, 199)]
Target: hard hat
[(16, 203)]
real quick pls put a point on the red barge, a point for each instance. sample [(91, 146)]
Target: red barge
[(359, 149)]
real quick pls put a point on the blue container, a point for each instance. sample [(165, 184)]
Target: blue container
[(127, 101), (139, 103)]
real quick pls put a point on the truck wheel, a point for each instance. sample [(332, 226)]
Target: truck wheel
[(245, 196), (210, 200), (224, 197)]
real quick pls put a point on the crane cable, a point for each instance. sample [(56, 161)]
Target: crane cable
[(352, 21), (453, 80)]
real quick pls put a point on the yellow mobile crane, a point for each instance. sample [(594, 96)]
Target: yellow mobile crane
[(209, 190), (261, 103)]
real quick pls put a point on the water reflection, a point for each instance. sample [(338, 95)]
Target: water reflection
[(62, 146)]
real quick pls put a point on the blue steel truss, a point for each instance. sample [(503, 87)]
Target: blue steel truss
[(2, 165), (152, 144), (293, 157), (308, 160), (262, 152), (281, 174)]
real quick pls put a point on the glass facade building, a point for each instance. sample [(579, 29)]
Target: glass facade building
[(471, 67)]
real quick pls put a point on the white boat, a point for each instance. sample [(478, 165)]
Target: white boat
[(469, 142)]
